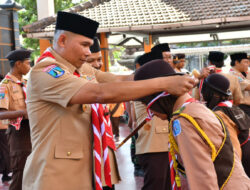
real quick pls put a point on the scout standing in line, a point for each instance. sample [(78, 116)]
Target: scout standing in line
[(13, 108), (4, 149), (239, 63), (217, 96), (59, 109), (206, 159), (152, 142)]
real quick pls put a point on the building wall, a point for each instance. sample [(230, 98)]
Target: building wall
[(9, 37)]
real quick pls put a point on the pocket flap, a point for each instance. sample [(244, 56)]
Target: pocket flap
[(69, 151), (161, 126)]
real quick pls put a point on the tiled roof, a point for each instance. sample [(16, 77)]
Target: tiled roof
[(114, 15)]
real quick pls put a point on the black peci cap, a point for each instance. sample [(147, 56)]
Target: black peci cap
[(161, 48), (147, 57), (238, 56), (216, 56), (18, 55), (218, 83), (96, 46), (76, 23)]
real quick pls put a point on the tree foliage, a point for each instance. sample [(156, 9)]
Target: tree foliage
[(29, 15)]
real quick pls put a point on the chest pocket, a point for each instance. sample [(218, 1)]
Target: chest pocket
[(72, 151), (161, 126)]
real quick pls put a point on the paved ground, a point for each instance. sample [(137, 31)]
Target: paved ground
[(124, 163)]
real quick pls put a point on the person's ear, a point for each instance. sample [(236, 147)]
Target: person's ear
[(62, 40), (18, 64)]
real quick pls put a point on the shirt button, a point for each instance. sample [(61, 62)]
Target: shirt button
[(68, 153)]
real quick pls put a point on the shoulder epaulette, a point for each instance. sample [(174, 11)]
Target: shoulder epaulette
[(5, 81)]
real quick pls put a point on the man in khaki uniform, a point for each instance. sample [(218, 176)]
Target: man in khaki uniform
[(95, 60), (193, 151), (59, 111), (240, 63), (13, 108), (152, 143), (216, 59)]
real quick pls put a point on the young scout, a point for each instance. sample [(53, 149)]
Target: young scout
[(61, 103), (205, 156), (216, 60), (216, 94), (13, 108), (179, 62), (239, 63), (4, 151), (95, 60), (152, 142)]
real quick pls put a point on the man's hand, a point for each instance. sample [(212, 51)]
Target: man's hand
[(204, 73), (178, 85)]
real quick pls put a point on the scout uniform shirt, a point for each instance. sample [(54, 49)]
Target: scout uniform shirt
[(195, 153), (243, 84), (61, 134), (153, 136), (12, 97)]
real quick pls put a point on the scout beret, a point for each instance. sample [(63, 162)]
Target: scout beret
[(18, 55), (76, 23), (96, 46), (161, 47), (149, 57), (218, 83), (238, 56), (153, 69)]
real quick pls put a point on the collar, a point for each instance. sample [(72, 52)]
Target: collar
[(14, 79), (63, 61), (235, 71)]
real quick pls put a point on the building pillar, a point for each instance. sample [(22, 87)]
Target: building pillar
[(45, 8), (105, 51), (148, 43)]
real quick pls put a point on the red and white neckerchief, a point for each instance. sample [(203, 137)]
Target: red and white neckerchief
[(102, 135), (227, 103), (150, 114), (17, 122)]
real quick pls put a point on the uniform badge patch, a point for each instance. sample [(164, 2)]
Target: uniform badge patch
[(54, 70), (176, 127), (2, 95), (87, 77)]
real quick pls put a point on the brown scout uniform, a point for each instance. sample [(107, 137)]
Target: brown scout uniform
[(243, 84), (89, 73), (19, 141), (233, 130), (234, 88), (61, 134), (153, 136), (195, 154), (152, 150)]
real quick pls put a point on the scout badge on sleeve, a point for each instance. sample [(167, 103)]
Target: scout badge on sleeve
[(54, 71), (2, 92), (176, 127)]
